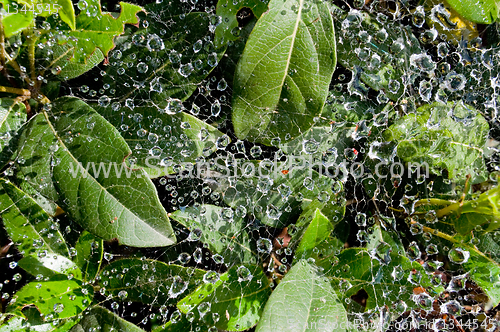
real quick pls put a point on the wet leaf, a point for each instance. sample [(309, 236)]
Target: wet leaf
[(229, 11), (61, 299), (237, 298), (313, 227), (152, 137), (182, 325), (482, 11), (282, 77), (378, 53), (12, 117), (98, 318), (445, 136), (222, 230), (386, 277), (149, 281), (168, 59), (96, 30), (89, 254), (61, 150), (33, 231), (275, 199), (303, 301)]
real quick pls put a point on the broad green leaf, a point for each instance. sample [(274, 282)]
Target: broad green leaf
[(378, 53), (61, 299), (96, 30), (384, 241), (64, 8), (36, 323), (283, 75), (312, 229), (303, 301), (169, 58), (89, 254), (35, 234), (100, 319), (31, 229), (152, 136), (237, 298), (222, 230), (182, 325), (278, 197), (476, 255), (341, 106), (450, 136), (481, 211), (485, 273), (386, 277), (323, 145), (148, 281), (12, 117), (50, 265), (74, 156), (481, 11), (228, 29), (65, 69), (14, 21)]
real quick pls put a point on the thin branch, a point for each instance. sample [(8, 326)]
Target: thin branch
[(21, 92)]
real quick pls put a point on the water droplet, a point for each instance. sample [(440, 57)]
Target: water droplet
[(264, 245), (458, 255)]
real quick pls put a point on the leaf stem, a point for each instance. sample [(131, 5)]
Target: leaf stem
[(31, 54), (433, 201), (17, 91), (453, 240)]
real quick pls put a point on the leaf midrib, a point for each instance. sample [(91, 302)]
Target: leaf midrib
[(95, 180)]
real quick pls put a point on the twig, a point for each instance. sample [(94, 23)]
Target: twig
[(21, 92)]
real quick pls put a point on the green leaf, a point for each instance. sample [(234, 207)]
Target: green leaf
[(89, 254), (378, 53), (14, 21), (485, 273), (182, 325), (450, 136), (228, 30), (59, 150), (282, 78), (149, 281), (316, 229), (50, 265), (278, 197), (222, 230), (482, 11), (151, 135), (65, 69), (478, 256), (323, 144), (35, 234), (12, 117), (481, 211), (60, 299), (65, 10), (303, 301), (387, 277), (100, 319), (35, 322), (95, 30), (176, 54), (237, 298)]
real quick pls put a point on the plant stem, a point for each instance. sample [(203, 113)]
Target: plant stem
[(433, 201), (21, 92), (452, 240)]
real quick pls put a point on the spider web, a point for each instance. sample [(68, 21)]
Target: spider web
[(393, 57)]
